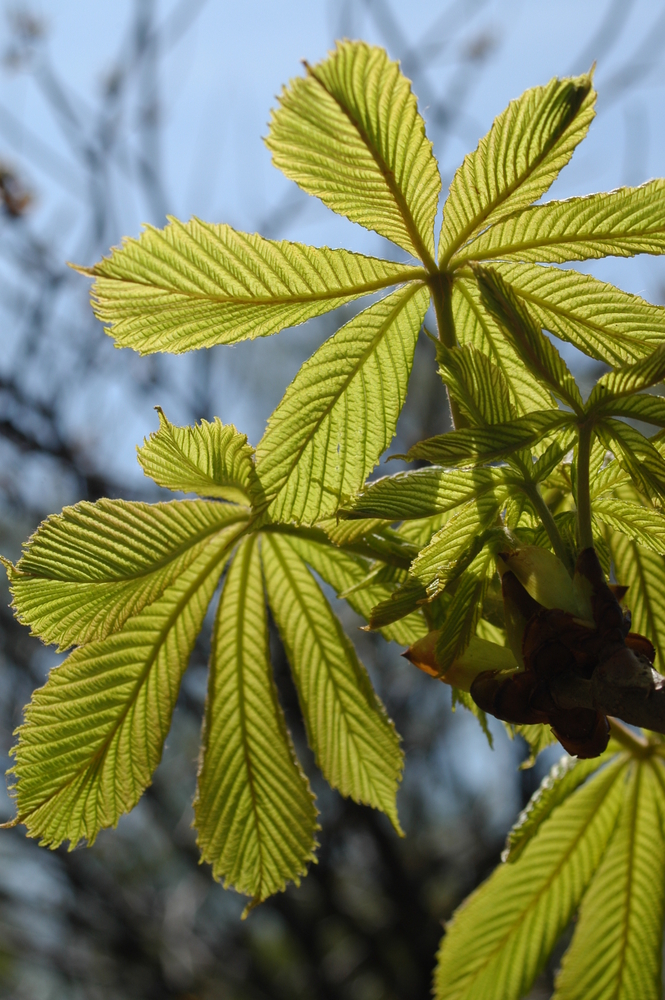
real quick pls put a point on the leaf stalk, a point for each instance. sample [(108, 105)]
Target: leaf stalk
[(584, 527)]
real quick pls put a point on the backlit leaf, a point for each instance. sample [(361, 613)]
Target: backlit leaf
[(254, 812), (339, 413), (637, 455), (87, 570), (627, 380), (354, 742), (477, 445), (643, 572), (645, 525), (196, 284), (350, 133), (464, 610), (93, 735), (477, 384)]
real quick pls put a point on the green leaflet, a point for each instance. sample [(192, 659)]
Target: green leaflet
[(354, 742), (646, 407), (459, 540), (601, 320), (518, 159), (645, 525), (536, 737), (477, 384), (196, 284), (211, 459), (616, 953), (87, 570), (643, 572), (567, 775), (475, 327), (477, 445), (402, 603), (537, 352), (254, 811), (93, 735), (622, 223), (499, 939), (626, 381), (637, 455), (423, 493), (464, 610), (343, 571), (350, 133), (339, 413)]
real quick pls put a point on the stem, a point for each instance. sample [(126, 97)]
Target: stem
[(636, 744), (584, 529), (441, 288), (549, 524)]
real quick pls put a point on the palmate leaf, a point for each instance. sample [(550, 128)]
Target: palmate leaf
[(87, 570), (500, 938), (354, 742), (254, 811), (423, 492), (93, 735), (340, 412), (478, 445), (537, 352), (643, 572), (621, 223), (601, 320), (475, 327), (477, 384), (519, 158), (344, 572), (616, 953), (211, 459), (197, 284), (350, 133)]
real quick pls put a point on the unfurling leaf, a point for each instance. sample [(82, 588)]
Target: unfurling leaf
[(254, 811), (211, 459), (477, 445), (350, 133), (354, 742), (423, 493), (196, 284), (477, 384)]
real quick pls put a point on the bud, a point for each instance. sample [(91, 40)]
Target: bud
[(479, 655)]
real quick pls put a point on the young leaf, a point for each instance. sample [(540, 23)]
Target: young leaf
[(536, 737), (344, 571), (616, 953), (645, 525), (622, 223), (519, 158), (567, 775), (637, 455), (196, 284), (354, 742), (254, 811), (601, 320), (464, 610), (477, 385), (87, 570), (627, 380), (211, 459), (93, 735), (406, 600), (423, 492), (646, 407), (537, 352), (500, 938), (339, 413), (477, 445), (350, 133), (643, 572), (475, 327)]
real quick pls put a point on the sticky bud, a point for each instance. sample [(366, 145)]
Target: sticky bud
[(543, 576), (478, 656)]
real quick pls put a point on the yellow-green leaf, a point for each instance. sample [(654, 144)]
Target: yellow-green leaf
[(423, 492), (645, 525), (93, 735), (477, 384), (477, 445), (340, 412), (254, 812), (350, 133), (195, 284), (643, 572), (354, 742)]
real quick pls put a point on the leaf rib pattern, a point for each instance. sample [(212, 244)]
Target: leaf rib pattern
[(643, 572), (340, 412), (616, 953), (518, 159), (197, 284), (254, 811), (211, 459), (87, 570), (94, 733), (350, 133), (622, 223), (500, 938), (354, 742), (423, 492)]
